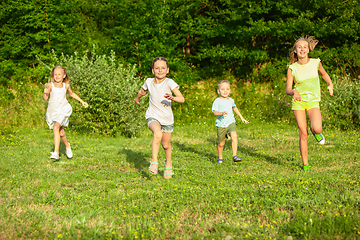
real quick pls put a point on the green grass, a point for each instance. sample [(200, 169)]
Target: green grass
[(106, 191)]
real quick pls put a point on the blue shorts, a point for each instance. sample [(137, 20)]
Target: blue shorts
[(164, 128)]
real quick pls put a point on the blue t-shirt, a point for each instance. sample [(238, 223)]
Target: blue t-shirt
[(222, 105)]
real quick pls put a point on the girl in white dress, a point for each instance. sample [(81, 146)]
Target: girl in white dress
[(59, 109), (159, 116)]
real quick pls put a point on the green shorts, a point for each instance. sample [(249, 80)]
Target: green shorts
[(221, 132), (302, 105)]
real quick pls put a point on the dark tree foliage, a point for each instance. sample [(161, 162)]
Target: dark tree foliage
[(211, 37)]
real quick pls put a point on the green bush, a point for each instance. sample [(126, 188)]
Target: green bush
[(21, 104), (109, 87), (342, 110), (279, 108), (198, 102)]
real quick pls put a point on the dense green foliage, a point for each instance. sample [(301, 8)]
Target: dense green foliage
[(246, 42), (106, 192), (212, 37), (343, 109)]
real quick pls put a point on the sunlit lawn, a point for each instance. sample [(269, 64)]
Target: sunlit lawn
[(105, 191)]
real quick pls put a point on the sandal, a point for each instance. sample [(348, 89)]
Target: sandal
[(236, 159), (152, 167), (219, 160), (168, 175)]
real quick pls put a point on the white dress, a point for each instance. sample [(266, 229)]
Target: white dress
[(59, 109)]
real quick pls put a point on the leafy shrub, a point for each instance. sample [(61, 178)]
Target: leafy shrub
[(21, 104), (342, 110), (198, 102), (109, 88), (279, 107), (5, 94)]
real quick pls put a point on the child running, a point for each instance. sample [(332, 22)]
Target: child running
[(304, 71), (159, 116), (223, 108), (59, 110)]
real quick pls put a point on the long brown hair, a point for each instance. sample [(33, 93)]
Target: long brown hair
[(310, 40), (51, 77)]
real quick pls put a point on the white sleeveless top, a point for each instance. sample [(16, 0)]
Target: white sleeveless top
[(59, 109)]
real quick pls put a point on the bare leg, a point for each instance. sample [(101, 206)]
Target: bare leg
[(300, 117), (56, 130), (166, 144), (220, 148), (155, 127), (63, 137), (315, 120), (234, 143)]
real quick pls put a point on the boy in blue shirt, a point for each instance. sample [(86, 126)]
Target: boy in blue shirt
[(223, 108)]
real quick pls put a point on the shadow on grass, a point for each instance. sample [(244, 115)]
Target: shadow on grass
[(279, 160), (210, 156), (139, 160)]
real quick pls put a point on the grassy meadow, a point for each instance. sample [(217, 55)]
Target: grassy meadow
[(106, 192)]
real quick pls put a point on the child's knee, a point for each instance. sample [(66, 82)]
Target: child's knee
[(166, 146), (317, 130), (56, 127), (304, 135), (158, 136), (221, 144)]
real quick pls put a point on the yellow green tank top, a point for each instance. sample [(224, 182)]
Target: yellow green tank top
[(306, 78)]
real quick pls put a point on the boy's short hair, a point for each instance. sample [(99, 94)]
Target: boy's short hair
[(223, 81)]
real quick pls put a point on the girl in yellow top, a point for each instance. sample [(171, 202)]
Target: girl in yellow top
[(304, 71)]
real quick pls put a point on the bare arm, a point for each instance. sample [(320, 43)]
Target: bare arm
[(289, 84), (140, 94), (75, 96), (236, 110), (47, 92), (216, 113), (326, 78), (178, 96)]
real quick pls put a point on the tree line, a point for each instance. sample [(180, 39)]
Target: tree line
[(250, 39)]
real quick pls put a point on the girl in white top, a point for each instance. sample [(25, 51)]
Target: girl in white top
[(159, 116), (59, 109)]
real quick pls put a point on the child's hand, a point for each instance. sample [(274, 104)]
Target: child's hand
[(224, 113), (138, 101), (297, 96), (169, 96), (47, 89), (331, 89), (244, 120), (85, 104)]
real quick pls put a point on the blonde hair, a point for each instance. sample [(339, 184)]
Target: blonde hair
[(310, 40), (51, 77), (223, 81)]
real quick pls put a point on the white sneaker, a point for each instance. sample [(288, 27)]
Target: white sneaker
[(54, 155), (69, 153)]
